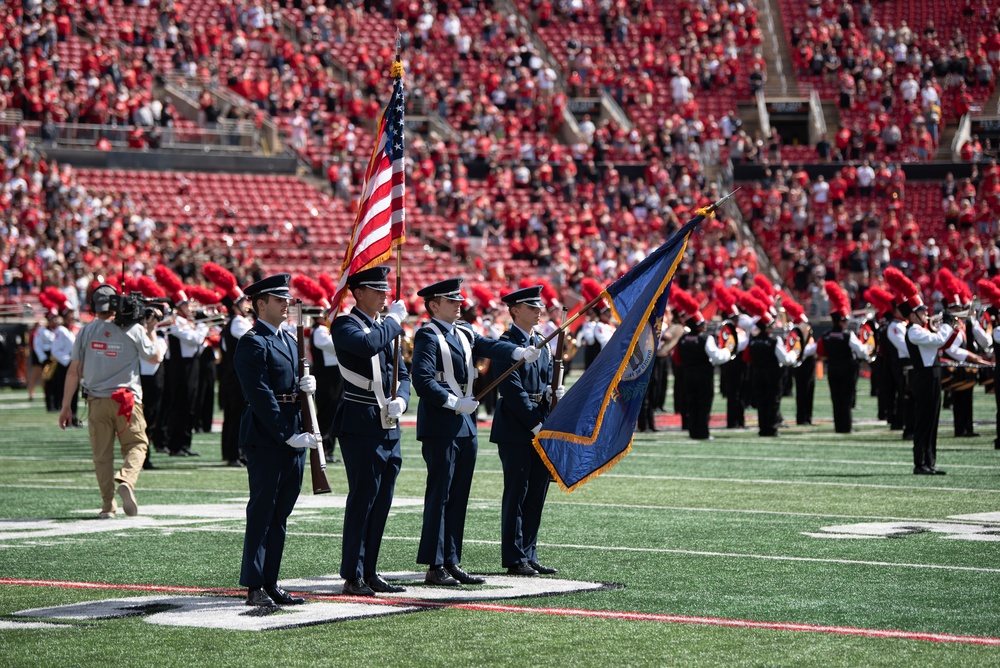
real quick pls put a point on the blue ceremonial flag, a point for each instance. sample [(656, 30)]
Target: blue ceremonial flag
[(592, 426)]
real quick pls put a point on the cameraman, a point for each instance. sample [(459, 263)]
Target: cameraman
[(106, 359)]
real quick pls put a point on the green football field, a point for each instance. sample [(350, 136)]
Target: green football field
[(810, 549)]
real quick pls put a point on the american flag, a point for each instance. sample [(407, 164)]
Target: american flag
[(381, 220)]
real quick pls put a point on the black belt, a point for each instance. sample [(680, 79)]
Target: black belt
[(537, 398), (287, 398)]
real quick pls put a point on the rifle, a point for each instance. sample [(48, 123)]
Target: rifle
[(557, 363), (317, 457)]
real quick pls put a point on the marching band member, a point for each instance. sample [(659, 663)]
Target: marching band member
[(768, 356), (62, 352), (899, 353), (238, 323), (968, 337), (699, 355), (841, 349), (804, 371), (989, 293), (883, 364), (733, 374)]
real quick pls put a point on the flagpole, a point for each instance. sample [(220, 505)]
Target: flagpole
[(706, 212), (396, 348)]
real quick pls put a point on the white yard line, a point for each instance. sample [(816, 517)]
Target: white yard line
[(658, 550)]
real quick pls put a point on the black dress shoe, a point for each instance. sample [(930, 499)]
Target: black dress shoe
[(258, 597), (234, 463), (437, 575), (357, 587), (459, 574), (282, 597), (935, 471), (379, 585), (543, 570), (149, 466), (970, 434), (907, 435), (189, 453), (179, 453), (923, 470), (521, 569)]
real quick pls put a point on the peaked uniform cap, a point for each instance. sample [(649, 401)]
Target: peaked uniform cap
[(276, 285), (374, 278), (450, 288), (530, 296)]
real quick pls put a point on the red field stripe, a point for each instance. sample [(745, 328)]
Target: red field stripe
[(561, 612)]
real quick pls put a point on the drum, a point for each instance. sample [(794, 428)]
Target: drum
[(795, 343), (956, 377), (728, 337), (868, 339)]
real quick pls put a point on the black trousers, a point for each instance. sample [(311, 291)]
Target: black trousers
[(805, 390), (887, 395), (732, 384), (961, 409), (450, 465), (525, 485), (329, 390), (232, 402), (767, 393), (58, 381), (700, 381), (926, 413), (904, 412), (181, 390), (681, 394), (372, 464), (843, 379), (152, 408), (204, 405)]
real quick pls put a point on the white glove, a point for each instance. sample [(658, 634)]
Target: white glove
[(537, 428), (560, 392), (307, 384), (396, 408), (467, 406), (301, 441), (528, 354), (397, 311)]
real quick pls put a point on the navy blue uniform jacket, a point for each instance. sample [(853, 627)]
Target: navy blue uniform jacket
[(434, 421), (516, 414), (355, 350), (266, 367)]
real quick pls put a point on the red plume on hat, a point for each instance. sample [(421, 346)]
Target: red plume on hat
[(149, 288), (202, 295), (223, 279), (951, 288), (685, 302), (840, 304), (989, 292), (57, 298), (794, 309), (311, 290), (328, 284), (759, 294), (762, 282), (880, 298), (549, 294), (170, 282), (590, 289), (483, 296), (759, 309), (726, 299), (906, 290)]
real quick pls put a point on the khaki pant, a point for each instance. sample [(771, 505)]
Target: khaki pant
[(105, 424)]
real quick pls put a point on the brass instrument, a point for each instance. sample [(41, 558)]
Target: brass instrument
[(569, 347)]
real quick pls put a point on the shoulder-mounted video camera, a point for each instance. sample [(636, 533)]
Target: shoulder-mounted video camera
[(135, 307)]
